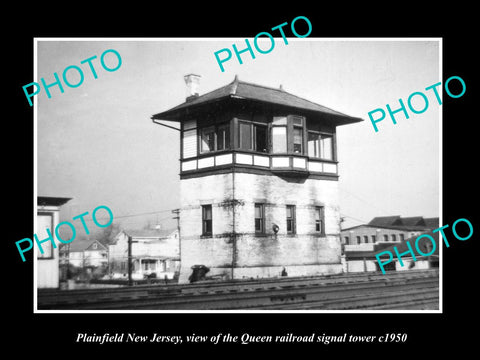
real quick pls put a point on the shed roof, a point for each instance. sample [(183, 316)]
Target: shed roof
[(424, 245), (52, 201), (249, 91), (413, 221), (385, 220)]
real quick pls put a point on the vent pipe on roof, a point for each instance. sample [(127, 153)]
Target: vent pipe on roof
[(193, 84)]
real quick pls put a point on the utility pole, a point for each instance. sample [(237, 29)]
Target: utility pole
[(129, 260), (130, 241), (177, 217)]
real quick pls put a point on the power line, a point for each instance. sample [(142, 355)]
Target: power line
[(353, 218), (134, 215), (363, 200), (140, 214)]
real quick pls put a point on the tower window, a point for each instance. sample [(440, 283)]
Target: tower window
[(297, 140), (320, 145), (291, 225), (215, 138), (223, 137), (320, 220), (260, 218), (207, 220), (207, 136), (279, 139), (253, 137), (260, 138)]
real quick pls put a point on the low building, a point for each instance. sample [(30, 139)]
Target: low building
[(425, 246), (46, 264), (154, 253), (361, 243)]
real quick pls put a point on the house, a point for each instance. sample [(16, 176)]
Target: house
[(46, 265), (84, 253), (362, 242), (154, 253), (258, 181)]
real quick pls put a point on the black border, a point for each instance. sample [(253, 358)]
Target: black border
[(428, 334)]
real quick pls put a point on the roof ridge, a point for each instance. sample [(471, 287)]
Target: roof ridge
[(289, 93), (257, 92)]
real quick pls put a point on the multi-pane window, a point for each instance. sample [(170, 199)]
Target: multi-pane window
[(260, 134), (320, 220), (223, 137), (320, 145), (291, 226), (279, 139), (245, 136), (206, 220), (260, 218), (297, 122), (207, 136), (253, 137), (297, 140), (215, 138), (279, 134)]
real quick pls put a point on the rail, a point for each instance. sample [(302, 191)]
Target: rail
[(342, 291)]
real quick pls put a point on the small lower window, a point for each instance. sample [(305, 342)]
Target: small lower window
[(291, 226), (320, 220), (207, 220), (260, 218)]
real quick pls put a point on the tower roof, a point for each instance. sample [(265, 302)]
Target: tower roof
[(243, 90)]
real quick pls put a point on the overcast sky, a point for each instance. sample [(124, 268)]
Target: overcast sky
[(97, 144)]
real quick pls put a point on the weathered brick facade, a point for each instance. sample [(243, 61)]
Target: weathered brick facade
[(235, 250), (259, 176)]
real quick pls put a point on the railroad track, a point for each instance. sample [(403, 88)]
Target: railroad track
[(412, 289)]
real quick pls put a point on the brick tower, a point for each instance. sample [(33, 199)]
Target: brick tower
[(259, 182)]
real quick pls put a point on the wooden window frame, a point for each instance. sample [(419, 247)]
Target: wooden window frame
[(291, 220), (207, 223)]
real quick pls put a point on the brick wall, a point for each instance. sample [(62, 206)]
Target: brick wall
[(378, 232), (304, 253)]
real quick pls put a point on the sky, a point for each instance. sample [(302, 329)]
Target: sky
[(97, 144)]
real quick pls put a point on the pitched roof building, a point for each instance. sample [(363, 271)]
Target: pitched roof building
[(249, 91), (362, 242), (153, 251), (84, 253), (259, 171)]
